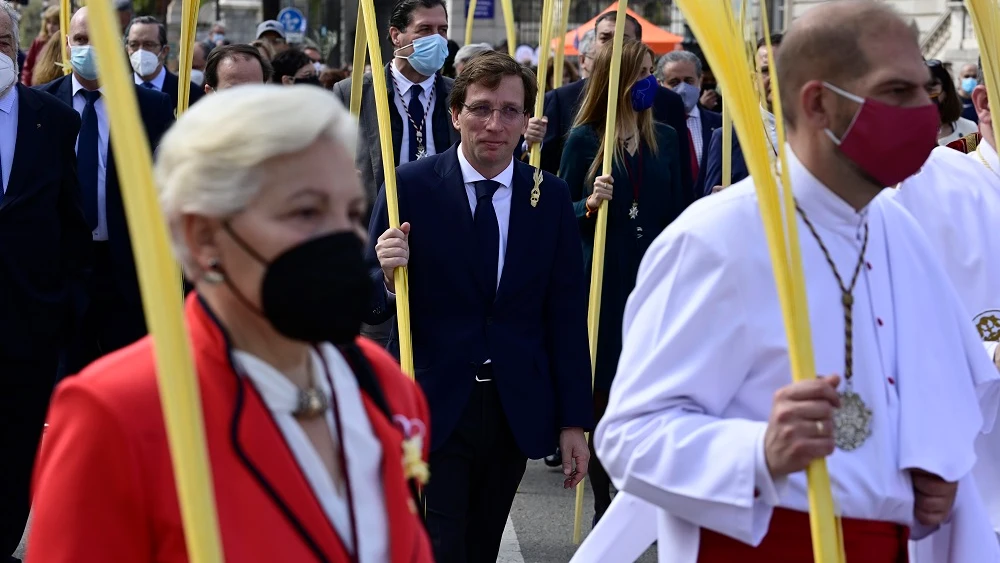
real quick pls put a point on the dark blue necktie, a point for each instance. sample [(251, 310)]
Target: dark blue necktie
[(87, 155), (148, 85), (487, 236), (416, 111)]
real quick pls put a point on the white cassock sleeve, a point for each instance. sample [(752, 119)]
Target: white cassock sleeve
[(688, 347)]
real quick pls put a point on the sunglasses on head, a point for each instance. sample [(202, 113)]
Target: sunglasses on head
[(934, 63)]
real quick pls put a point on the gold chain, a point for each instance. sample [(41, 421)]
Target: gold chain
[(846, 293)]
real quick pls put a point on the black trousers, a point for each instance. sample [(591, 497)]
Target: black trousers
[(474, 477), (599, 480), (109, 323), (25, 390)]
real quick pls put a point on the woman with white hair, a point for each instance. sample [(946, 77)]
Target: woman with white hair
[(467, 52), (316, 440)]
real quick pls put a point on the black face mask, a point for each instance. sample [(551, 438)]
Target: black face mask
[(312, 80), (314, 292)]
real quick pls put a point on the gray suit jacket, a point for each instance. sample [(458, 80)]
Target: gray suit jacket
[(369, 157)]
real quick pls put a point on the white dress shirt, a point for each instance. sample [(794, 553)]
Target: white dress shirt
[(501, 199), (157, 81), (79, 103), (8, 132), (956, 199), (404, 92), (363, 449), (705, 350), (694, 127)]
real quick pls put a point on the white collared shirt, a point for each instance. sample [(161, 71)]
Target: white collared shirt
[(363, 451), (402, 97), (694, 127), (8, 132), (79, 103), (501, 199), (157, 81)]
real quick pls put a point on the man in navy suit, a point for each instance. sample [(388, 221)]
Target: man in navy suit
[(113, 315), (146, 43), (681, 71), (712, 179), (44, 256), (562, 104), (498, 310)]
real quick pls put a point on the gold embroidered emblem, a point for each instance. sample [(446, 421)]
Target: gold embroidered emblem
[(988, 325)]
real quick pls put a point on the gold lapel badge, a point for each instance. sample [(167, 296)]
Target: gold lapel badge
[(536, 192)]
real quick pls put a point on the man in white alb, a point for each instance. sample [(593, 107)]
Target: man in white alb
[(704, 421), (956, 199)]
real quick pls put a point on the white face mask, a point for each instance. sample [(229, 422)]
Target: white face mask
[(144, 63), (198, 77), (8, 73)]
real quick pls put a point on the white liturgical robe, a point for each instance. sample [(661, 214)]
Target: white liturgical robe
[(956, 200), (705, 350)]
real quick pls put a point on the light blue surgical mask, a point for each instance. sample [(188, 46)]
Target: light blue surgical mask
[(83, 60), (969, 84), (689, 94), (429, 54)]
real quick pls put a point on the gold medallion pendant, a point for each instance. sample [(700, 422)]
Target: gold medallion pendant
[(312, 403), (852, 421)]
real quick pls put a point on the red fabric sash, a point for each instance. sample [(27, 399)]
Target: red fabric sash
[(789, 540)]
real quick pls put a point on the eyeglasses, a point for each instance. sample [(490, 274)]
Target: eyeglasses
[(484, 112), (144, 45)]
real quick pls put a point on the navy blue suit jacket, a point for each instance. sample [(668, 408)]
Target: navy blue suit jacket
[(562, 104), (43, 233), (710, 121), (157, 114), (535, 332), (170, 82), (713, 164)]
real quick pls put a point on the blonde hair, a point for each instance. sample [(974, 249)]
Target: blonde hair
[(594, 108), (51, 13), (48, 66), (209, 162)]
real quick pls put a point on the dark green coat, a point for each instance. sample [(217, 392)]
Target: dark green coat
[(660, 201)]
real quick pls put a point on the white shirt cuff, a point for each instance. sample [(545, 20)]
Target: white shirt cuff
[(766, 488), (389, 296)]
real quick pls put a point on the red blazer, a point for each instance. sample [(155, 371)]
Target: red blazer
[(104, 485)]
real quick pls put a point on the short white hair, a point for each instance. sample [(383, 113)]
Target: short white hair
[(470, 51), (15, 18), (209, 162)]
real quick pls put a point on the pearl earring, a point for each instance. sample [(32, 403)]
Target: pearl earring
[(213, 275)]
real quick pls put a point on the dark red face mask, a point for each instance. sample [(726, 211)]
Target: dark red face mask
[(889, 143)]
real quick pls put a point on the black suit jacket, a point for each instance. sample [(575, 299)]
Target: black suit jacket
[(534, 331), (710, 121), (43, 233), (562, 104), (170, 82), (157, 115), (369, 157)]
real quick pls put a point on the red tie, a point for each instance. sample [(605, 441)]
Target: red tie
[(694, 156)]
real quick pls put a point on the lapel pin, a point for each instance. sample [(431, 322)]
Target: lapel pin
[(536, 192), (38, 125)]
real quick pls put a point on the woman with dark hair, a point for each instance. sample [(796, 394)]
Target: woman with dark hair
[(643, 195), (942, 90)]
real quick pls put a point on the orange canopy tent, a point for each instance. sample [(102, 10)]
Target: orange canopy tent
[(658, 40)]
